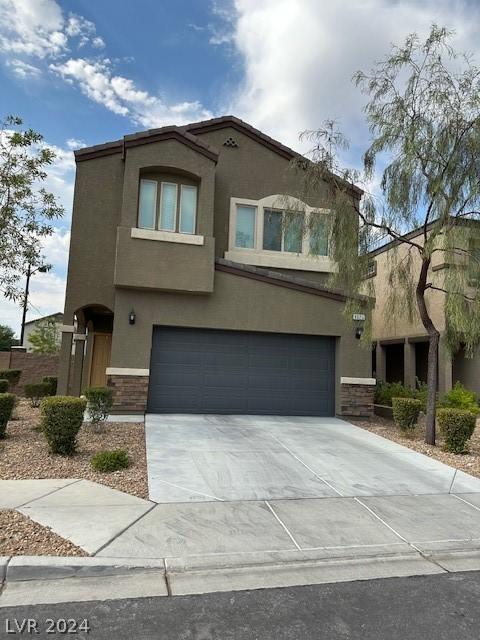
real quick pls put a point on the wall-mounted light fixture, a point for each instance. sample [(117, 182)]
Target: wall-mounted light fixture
[(359, 320), (132, 317)]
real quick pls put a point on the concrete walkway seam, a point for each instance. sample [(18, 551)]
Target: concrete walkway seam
[(49, 493), (125, 529), (470, 504), (283, 525)]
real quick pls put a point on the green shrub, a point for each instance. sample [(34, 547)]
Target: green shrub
[(100, 400), (3, 385), (406, 412), (457, 427), (52, 384), (12, 375), (62, 417), (36, 391), (385, 391), (460, 398), (7, 403), (110, 460)]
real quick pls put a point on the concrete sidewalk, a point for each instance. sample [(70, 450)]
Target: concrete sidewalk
[(254, 502), (218, 546)]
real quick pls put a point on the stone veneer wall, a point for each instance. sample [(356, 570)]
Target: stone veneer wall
[(357, 400), (129, 393)]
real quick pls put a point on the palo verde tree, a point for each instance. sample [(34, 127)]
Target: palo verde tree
[(26, 208), (423, 112)]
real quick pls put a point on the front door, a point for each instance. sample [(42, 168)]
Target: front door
[(102, 344)]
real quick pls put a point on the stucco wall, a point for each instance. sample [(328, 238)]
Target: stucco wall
[(388, 322), (237, 303), (96, 214)]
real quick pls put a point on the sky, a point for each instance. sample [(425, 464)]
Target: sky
[(83, 72)]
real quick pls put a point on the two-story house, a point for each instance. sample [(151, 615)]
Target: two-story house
[(400, 345), (188, 291)]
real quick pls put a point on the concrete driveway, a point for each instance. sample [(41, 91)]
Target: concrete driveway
[(195, 458)]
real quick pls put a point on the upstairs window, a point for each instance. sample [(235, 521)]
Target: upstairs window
[(167, 206), (147, 205), (282, 231), (245, 227)]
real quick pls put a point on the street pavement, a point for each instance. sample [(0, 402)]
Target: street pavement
[(436, 607)]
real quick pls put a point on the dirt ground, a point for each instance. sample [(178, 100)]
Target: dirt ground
[(24, 453), (468, 462)]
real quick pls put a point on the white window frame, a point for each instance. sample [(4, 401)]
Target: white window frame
[(160, 228), (182, 187), (156, 205), (304, 261)]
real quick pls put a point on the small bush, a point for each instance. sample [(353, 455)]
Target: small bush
[(36, 391), (460, 398), (100, 400), (3, 385), (385, 391), (7, 404), (62, 417), (406, 412), (457, 427), (52, 384), (110, 460), (12, 375)]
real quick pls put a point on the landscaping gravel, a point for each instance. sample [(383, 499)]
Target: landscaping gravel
[(24, 453), (20, 536), (468, 462)]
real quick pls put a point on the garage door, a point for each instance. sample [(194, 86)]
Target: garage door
[(237, 372)]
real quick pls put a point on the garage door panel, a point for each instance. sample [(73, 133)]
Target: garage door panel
[(216, 371)]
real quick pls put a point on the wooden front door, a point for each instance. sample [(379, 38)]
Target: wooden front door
[(102, 344)]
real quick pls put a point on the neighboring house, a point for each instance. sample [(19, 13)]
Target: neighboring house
[(32, 325), (189, 292), (400, 347)]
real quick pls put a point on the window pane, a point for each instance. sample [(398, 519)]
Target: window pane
[(188, 209), (245, 231), (147, 204), (318, 237), (293, 232), (168, 212), (272, 230)]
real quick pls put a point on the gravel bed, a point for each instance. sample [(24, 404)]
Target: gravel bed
[(468, 462), (24, 453), (21, 536)]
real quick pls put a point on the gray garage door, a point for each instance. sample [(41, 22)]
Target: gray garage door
[(237, 372)]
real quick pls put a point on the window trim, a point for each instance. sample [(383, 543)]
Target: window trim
[(304, 261), (156, 203), (182, 187), (175, 218)]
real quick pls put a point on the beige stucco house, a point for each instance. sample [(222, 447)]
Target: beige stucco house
[(400, 346), (187, 290)]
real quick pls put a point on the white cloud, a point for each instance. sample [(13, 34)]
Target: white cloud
[(47, 290), (74, 143), (39, 28), (121, 96), (23, 69), (299, 57)]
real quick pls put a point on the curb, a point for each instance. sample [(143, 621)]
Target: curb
[(26, 568)]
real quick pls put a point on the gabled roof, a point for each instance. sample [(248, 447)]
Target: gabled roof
[(189, 135), (145, 137), (57, 316)]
